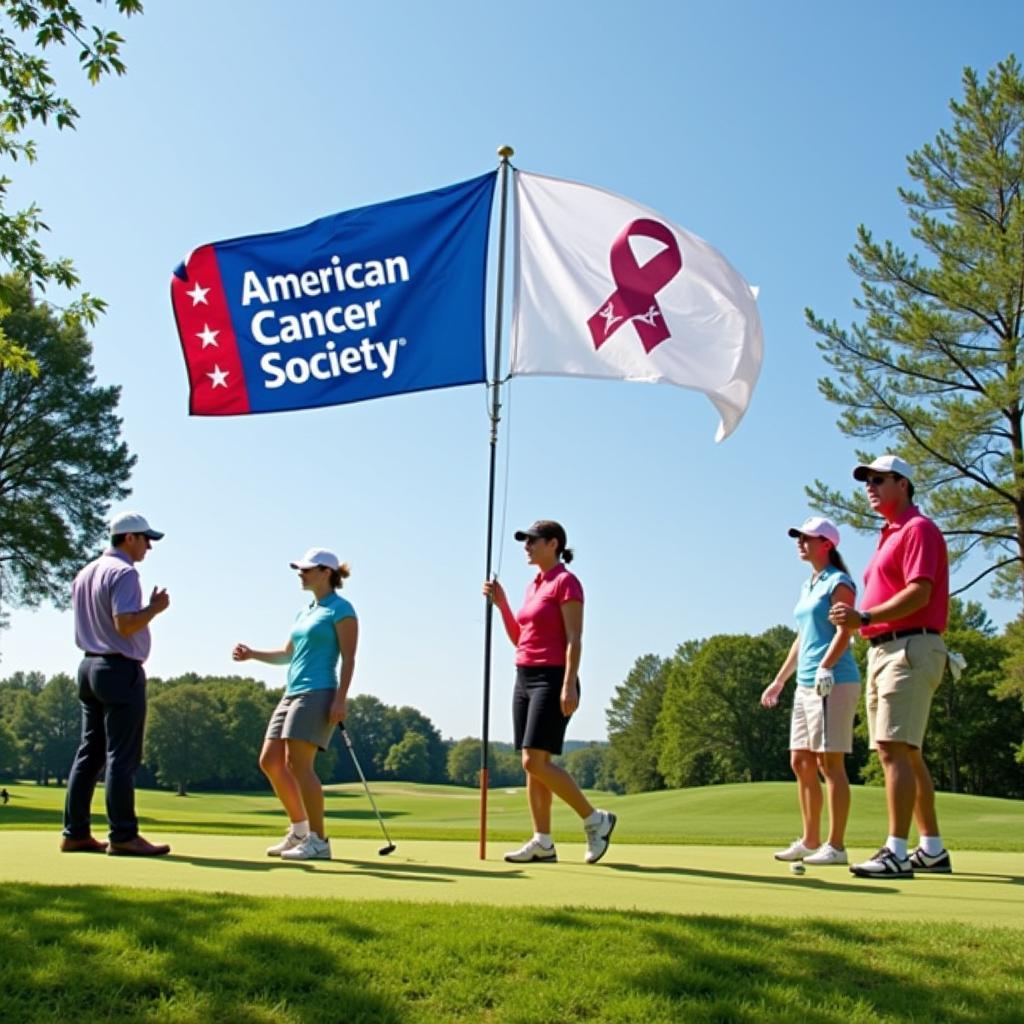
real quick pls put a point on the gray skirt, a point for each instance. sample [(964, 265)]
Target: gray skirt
[(303, 716)]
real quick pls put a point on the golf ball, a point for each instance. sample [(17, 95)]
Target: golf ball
[(797, 868)]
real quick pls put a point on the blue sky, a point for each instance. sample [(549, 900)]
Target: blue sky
[(770, 130)]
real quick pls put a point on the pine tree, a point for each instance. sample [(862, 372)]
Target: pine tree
[(933, 370)]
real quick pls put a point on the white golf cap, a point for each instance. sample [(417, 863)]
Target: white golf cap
[(133, 522), (884, 464), (314, 557), (817, 526)]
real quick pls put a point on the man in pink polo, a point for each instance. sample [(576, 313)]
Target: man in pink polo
[(904, 611)]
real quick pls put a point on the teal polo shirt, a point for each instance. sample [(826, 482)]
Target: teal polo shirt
[(816, 631), (315, 650)]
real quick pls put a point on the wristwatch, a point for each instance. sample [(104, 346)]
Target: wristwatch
[(865, 618)]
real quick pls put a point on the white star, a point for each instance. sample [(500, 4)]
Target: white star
[(610, 319), (198, 295), (219, 377), (209, 337), (650, 316)]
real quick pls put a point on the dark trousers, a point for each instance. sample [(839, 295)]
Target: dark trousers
[(112, 691)]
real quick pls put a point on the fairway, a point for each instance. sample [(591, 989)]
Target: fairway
[(987, 888), (676, 923), (696, 851), (741, 814)]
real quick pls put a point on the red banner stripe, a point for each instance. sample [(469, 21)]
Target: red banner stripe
[(215, 376)]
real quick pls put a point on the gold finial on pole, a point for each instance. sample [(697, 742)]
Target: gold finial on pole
[(505, 152)]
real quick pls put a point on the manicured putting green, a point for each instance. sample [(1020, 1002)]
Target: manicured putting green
[(987, 888)]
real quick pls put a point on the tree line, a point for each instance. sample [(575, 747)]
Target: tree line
[(205, 733), (694, 719), (691, 719)]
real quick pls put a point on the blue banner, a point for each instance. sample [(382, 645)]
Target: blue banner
[(376, 301)]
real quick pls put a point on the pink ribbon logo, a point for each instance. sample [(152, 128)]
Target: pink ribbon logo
[(636, 286)]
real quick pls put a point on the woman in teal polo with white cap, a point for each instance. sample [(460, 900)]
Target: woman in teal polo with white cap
[(825, 701), (314, 701)]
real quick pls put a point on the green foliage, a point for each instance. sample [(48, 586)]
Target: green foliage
[(409, 758), (29, 94), (504, 767), (934, 370), (184, 734), (9, 754), (591, 767), (62, 461), (971, 731), (60, 720), (632, 716), (712, 727)]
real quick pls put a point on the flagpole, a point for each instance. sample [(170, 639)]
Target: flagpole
[(504, 152)]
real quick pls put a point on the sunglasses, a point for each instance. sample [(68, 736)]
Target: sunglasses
[(530, 541), (877, 481)]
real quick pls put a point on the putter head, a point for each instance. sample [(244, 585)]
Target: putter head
[(385, 850)]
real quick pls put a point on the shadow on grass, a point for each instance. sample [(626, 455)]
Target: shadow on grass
[(96, 954), (823, 971), (29, 817), (794, 881), (394, 870)]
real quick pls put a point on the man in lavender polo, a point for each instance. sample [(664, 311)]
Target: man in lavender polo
[(112, 629), (904, 611)]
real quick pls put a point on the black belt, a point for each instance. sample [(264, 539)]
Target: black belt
[(110, 654), (898, 634)]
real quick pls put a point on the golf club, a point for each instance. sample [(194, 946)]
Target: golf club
[(384, 850)]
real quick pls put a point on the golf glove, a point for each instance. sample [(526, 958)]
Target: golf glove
[(957, 664), (824, 681)]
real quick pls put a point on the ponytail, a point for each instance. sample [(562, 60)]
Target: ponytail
[(337, 575), (836, 560)]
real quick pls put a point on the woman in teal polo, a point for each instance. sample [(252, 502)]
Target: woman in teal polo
[(825, 701), (314, 702)]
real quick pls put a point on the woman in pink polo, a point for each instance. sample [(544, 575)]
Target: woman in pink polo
[(547, 633)]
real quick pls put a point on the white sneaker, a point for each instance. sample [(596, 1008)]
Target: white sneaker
[(827, 854), (534, 850), (884, 864), (599, 836), (795, 851), (310, 848), (290, 841)]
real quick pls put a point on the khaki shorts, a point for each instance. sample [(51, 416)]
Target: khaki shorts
[(824, 724), (304, 716), (903, 676)]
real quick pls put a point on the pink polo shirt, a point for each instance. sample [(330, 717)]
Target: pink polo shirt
[(912, 548), (542, 639)]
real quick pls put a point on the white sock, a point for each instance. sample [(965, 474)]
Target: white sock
[(932, 845), (594, 819), (544, 838), (301, 828), (898, 846)]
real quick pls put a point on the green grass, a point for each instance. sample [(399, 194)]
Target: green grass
[(88, 954), (741, 814)]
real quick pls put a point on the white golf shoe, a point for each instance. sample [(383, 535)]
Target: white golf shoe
[(599, 835), (826, 854), (310, 848), (532, 851), (290, 841), (795, 851)]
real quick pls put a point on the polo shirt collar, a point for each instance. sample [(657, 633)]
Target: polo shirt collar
[(556, 570), (118, 553), (908, 513)]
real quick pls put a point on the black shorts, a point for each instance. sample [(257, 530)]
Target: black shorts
[(537, 719)]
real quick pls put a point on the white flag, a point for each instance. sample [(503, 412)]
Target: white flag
[(607, 288)]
